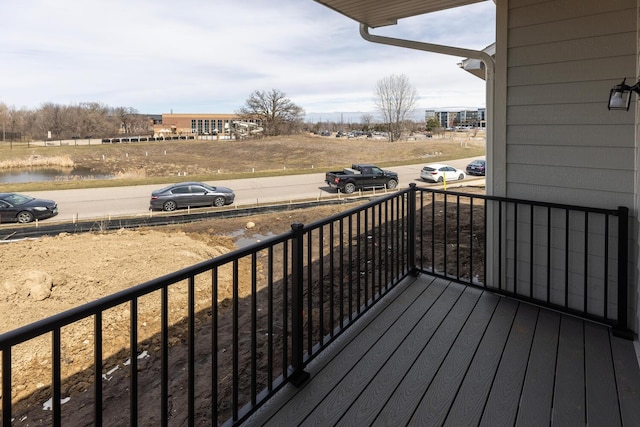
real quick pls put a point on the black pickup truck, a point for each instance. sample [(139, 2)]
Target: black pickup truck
[(360, 176)]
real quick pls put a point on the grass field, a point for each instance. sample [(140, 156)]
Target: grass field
[(169, 161)]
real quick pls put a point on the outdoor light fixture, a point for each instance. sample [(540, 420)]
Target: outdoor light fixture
[(620, 95)]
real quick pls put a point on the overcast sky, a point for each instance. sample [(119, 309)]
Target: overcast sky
[(197, 56)]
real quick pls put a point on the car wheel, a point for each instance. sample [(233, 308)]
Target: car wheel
[(461, 177), (349, 188), (218, 201), (169, 206), (440, 179), (24, 217), (392, 184)]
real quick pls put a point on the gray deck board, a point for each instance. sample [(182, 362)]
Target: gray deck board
[(335, 403), (502, 405), (537, 392), (569, 395), (438, 398), (627, 373), (469, 404), (439, 353), (327, 374), (423, 354), (601, 399)]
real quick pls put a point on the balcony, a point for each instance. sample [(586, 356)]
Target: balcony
[(419, 307), (439, 353)]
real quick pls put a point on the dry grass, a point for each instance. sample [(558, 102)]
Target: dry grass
[(37, 161), (154, 162)]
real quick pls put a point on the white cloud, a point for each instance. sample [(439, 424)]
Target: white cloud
[(197, 57)]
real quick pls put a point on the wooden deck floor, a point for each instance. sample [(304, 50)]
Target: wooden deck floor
[(439, 353)]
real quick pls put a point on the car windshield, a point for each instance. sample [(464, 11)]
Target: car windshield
[(428, 169), (17, 199)]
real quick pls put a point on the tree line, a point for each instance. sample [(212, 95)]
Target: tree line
[(394, 96), (85, 120)]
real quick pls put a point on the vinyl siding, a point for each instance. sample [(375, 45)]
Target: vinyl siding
[(544, 12), (555, 30), (611, 135), (562, 61), (562, 143)]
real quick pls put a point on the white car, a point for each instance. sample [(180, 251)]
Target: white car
[(439, 173)]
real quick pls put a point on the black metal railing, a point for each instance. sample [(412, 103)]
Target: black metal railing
[(239, 326), (211, 343), (568, 258)]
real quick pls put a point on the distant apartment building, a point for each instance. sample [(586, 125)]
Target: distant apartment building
[(450, 119)]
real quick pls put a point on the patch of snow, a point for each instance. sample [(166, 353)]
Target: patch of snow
[(48, 405)]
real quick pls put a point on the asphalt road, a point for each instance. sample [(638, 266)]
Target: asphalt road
[(93, 203)]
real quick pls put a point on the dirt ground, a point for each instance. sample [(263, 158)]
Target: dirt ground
[(45, 276)]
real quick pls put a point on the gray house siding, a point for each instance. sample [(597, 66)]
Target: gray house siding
[(559, 133), (561, 143)]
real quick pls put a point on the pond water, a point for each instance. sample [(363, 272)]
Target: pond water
[(48, 174)]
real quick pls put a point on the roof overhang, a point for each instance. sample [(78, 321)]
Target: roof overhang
[(378, 13), (476, 66)]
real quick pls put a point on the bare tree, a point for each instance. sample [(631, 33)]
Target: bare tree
[(395, 98), (12, 122), (96, 119), (15, 123), (4, 114), (50, 121), (29, 121), (127, 117), (366, 120), (276, 113)]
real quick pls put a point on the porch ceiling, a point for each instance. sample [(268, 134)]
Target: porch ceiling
[(378, 13)]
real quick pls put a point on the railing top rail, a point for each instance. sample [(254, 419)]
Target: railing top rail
[(344, 214), (523, 201)]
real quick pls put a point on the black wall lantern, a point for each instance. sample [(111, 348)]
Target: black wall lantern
[(620, 95)]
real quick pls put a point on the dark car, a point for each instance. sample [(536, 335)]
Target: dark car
[(477, 167), (16, 207), (190, 194)]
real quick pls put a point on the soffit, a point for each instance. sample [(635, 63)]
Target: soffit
[(378, 13)]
